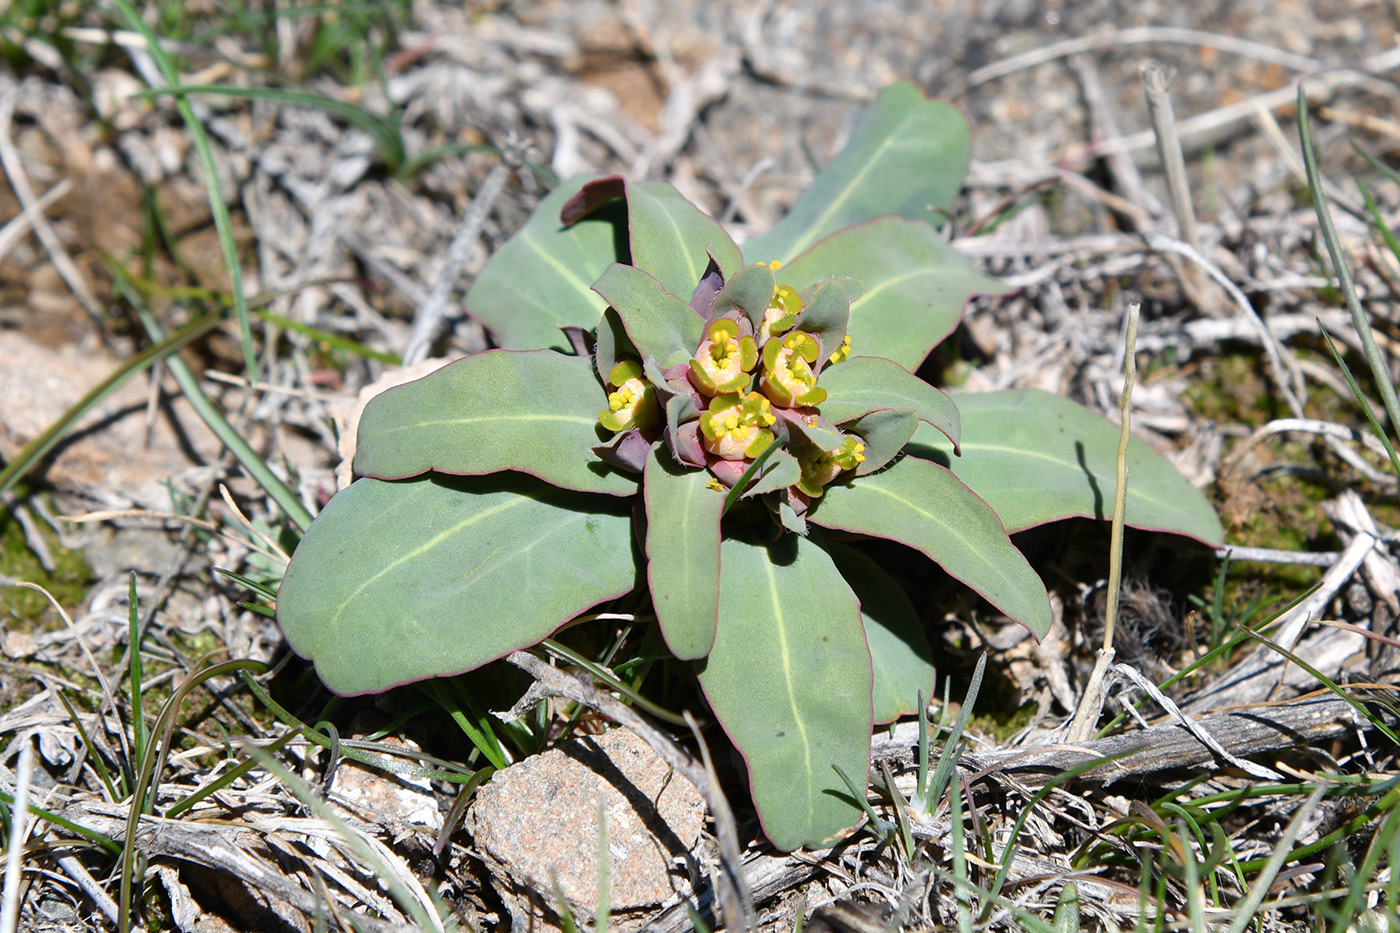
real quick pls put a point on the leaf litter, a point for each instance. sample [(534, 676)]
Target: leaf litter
[(1065, 203)]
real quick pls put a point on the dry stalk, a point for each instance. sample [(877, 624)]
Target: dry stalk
[(1087, 717), (1159, 104)]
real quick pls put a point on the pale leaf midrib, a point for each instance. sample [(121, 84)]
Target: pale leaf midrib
[(835, 205), (785, 651), (481, 419), (422, 549)]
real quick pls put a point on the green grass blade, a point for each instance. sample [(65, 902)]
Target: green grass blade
[(323, 810), (747, 479), (1378, 220), (34, 451), (413, 165), (1025, 918), (266, 592), (993, 895), (479, 732), (361, 751), (1246, 910), (138, 719), (208, 412), (1334, 249), (964, 895), (147, 779), (1066, 917), (901, 811), (77, 829), (947, 759), (921, 781), (877, 826), (1368, 871), (1195, 895), (1333, 686), (224, 780), (98, 764), (628, 692), (603, 918), (1351, 827), (1361, 400), (1377, 164), (335, 341), (218, 208)]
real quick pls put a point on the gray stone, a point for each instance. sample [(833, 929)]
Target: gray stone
[(536, 824)]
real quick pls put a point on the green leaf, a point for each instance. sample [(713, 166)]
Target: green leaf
[(534, 411), (668, 236), (661, 326), (779, 472), (1037, 458), (863, 384), (672, 238), (899, 647), (884, 433), (750, 290), (789, 679), (926, 507), (907, 155), (402, 581), (611, 344), (541, 278), (822, 432), (916, 285), (682, 545), (826, 317)]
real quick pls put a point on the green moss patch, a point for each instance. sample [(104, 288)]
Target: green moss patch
[(23, 609)]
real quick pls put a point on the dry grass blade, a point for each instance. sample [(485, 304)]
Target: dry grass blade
[(403, 886), (357, 228), (19, 833), (217, 205)]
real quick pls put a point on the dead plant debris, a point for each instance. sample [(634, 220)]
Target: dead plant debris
[(345, 242)]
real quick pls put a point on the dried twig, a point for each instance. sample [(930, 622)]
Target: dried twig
[(19, 183), (428, 320), (1156, 749), (1141, 35), (1198, 130), (1159, 105)]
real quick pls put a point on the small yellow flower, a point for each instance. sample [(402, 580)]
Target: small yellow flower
[(724, 360), (820, 467), (736, 427), (841, 353), (787, 370), (632, 403)]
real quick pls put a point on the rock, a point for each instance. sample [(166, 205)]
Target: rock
[(400, 803), (536, 824), (347, 411), (110, 449)]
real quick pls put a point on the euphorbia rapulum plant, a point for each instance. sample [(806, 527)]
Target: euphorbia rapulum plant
[(745, 408)]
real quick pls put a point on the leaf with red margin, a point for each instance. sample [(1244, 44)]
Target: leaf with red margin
[(789, 678), (926, 507), (533, 411), (683, 517)]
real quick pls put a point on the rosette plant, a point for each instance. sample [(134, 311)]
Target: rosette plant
[(714, 425)]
